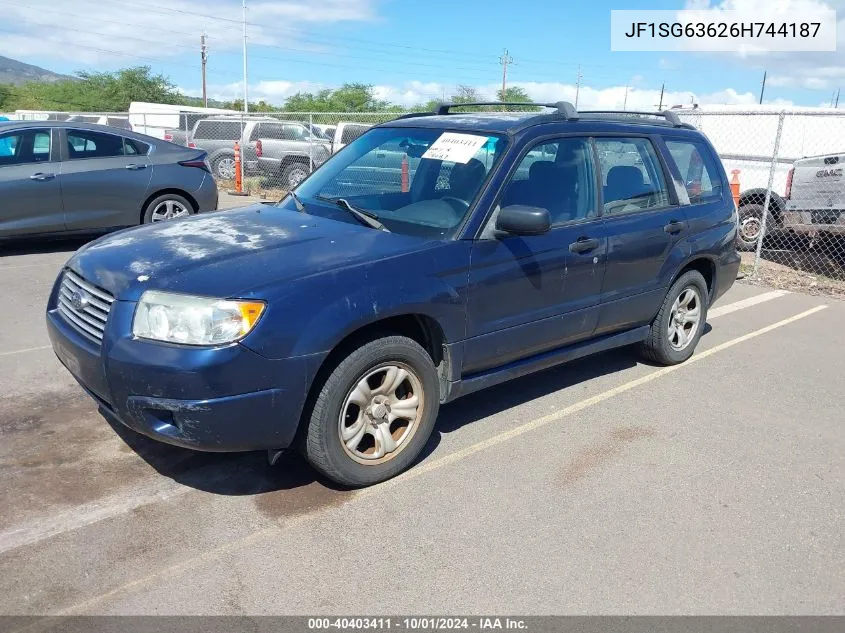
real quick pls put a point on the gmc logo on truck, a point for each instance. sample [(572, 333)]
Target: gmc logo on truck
[(824, 173)]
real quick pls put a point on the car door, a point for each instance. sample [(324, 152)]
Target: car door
[(30, 197), (530, 294), (643, 222), (102, 184)]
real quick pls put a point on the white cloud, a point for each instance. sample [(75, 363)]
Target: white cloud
[(116, 34), (810, 70)]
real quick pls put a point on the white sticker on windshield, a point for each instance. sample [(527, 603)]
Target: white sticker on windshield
[(454, 147)]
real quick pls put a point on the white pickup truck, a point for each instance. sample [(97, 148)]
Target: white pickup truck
[(815, 196)]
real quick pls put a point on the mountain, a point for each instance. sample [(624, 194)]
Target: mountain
[(15, 72)]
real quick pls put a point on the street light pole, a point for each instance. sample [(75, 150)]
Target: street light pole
[(246, 76)]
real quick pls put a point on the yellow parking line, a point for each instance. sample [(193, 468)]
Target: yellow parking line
[(423, 469)]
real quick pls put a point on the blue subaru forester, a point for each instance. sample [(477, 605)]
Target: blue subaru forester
[(436, 255)]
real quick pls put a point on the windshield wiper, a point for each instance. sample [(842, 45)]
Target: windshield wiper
[(365, 217), (299, 206)]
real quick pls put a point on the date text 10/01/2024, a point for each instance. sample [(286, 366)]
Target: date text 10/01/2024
[(417, 623)]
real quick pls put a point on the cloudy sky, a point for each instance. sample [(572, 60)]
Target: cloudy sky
[(412, 51)]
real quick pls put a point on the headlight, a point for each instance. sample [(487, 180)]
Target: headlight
[(177, 318)]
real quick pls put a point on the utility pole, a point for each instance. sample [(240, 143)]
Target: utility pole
[(578, 86), (625, 102), (662, 88), (763, 87), (204, 56), (246, 76), (505, 60), (836, 105)]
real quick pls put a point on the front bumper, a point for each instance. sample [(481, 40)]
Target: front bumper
[(212, 399)]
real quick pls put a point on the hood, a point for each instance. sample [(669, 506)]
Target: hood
[(230, 253)]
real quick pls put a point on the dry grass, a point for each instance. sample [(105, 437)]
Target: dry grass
[(794, 277)]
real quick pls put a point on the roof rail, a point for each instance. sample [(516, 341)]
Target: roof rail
[(564, 108), (669, 115)]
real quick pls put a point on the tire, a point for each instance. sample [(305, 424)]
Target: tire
[(294, 174), (662, 346), (168, 206), (750, 217), (223, 167), (335, 412)]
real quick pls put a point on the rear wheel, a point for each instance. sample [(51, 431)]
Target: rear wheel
[(750, 227), (168, 206), (374, 413), (679, 324), (223, 167), (294, 174)]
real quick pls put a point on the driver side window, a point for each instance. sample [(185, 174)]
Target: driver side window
[(558, 176)]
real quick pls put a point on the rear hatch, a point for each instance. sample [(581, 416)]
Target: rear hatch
[(818, 184)]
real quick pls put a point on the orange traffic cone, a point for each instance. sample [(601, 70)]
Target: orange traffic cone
[(735, 186)]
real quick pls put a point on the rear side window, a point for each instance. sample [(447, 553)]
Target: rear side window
[(293, 133), (701, 177), (219, 130), (89, 144), (272, 131), (135, 148), (632, 178), (23, 147)]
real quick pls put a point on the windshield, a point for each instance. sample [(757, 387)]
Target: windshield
[(415, 181)]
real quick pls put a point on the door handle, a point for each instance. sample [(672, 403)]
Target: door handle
[(674, 227), (135, 167), (583, 245), (42, 176)]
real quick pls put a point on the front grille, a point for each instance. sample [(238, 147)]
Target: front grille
[(84, 306)]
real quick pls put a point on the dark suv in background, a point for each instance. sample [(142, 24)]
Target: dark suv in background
[(436, 255)]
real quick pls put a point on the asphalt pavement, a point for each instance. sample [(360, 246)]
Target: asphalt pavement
[(607, 486)]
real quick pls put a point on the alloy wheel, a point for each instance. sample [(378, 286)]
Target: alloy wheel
[(685, 318), (381, 413)]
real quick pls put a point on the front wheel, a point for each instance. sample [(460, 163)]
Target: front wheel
[(374, 413), (679, 324)]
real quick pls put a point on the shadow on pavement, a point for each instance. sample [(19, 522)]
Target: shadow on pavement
[(35, 246), (251, 474)]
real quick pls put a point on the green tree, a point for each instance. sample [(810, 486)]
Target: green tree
[(94, 92), (515, 94), (351, 97)]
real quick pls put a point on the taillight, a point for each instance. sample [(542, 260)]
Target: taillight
[(168, 138), (259, 150), (200, 162), (788, 191), (192, 145)]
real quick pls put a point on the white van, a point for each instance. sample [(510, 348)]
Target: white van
[(163, 119)]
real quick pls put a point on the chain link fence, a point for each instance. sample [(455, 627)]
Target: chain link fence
[(787, 169)]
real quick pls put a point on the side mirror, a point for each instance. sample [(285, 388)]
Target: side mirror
[(518, 219)]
